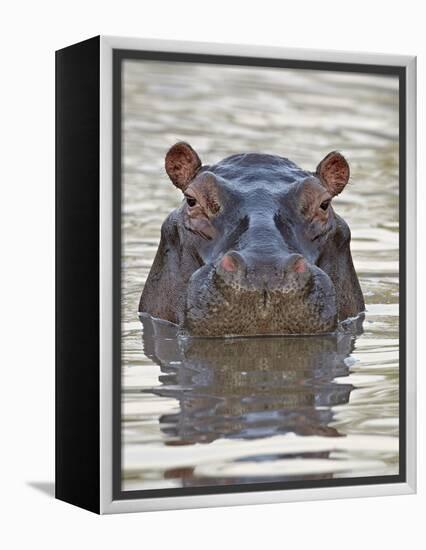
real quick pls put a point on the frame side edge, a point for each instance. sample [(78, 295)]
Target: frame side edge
[(77, 283), (411, 276)]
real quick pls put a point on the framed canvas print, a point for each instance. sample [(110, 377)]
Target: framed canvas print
[(235, 274)]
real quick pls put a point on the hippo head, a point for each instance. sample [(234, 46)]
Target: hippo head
[(255, 248)]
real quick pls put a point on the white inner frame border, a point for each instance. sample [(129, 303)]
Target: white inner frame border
[(107, 504)]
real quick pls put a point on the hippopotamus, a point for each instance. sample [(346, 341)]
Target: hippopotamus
[(255, 248)]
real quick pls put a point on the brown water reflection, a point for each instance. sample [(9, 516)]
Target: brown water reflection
[(248, 387)]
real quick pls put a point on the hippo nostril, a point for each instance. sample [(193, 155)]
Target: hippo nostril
[(295, 264), (228, 263), (299, 266), (231, 263)]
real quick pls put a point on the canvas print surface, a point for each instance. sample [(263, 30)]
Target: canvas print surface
[(248, 356)]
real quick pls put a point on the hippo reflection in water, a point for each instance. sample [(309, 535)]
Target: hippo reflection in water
[(249, 387), (255, 248)]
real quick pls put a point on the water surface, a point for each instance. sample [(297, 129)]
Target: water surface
[(223, 411)]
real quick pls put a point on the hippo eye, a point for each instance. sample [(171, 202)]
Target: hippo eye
[(325, 204), (190, 201)]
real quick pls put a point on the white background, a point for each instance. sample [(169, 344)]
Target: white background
[(30, 32)]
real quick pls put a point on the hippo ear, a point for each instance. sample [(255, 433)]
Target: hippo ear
[(333, 171), (182, 164)]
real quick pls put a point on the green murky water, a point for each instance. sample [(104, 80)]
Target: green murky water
[(246, 410)]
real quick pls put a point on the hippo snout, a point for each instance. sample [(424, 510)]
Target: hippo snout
[(284, 273), (235, 298)]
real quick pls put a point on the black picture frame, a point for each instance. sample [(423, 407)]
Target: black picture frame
[(78, 384)]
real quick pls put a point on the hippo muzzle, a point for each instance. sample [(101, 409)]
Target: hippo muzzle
[(231, 298)]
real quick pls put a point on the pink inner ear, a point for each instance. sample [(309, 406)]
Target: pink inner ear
[(182, 163), (334, 172)]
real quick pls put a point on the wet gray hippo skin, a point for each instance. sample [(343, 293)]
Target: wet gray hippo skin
[(255, 248)]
